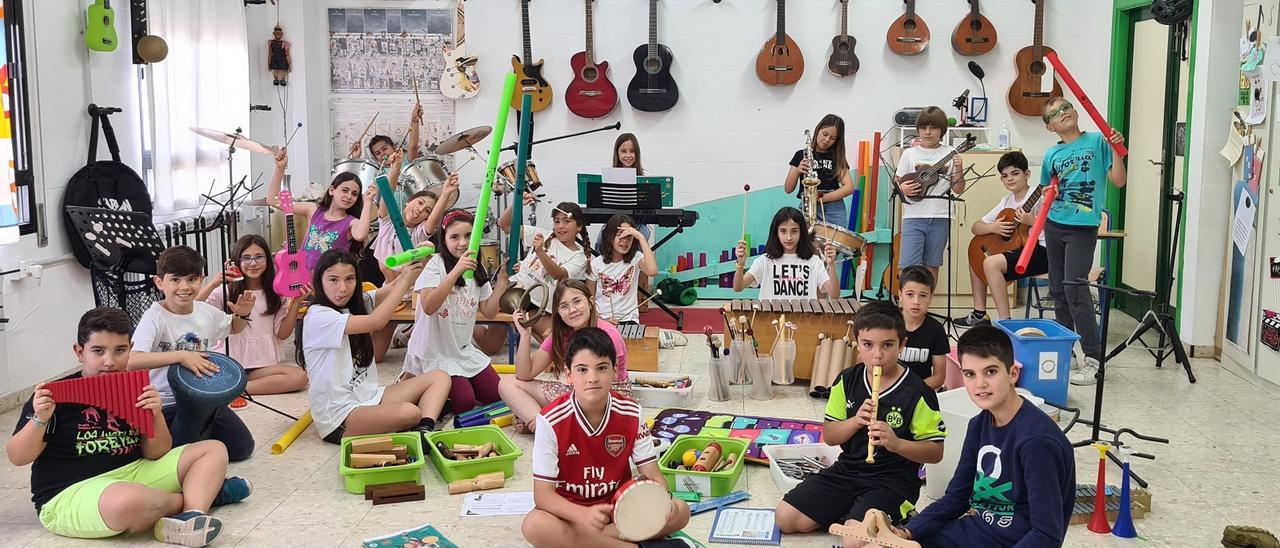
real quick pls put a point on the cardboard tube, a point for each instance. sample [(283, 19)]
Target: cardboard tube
[(824, 361), (816, 373), (836, 365), (288, 437)]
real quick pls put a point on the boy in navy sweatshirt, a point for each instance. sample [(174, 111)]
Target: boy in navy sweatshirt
[(1023, 482)]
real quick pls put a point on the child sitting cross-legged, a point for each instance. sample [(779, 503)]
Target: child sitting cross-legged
[(94, 475)]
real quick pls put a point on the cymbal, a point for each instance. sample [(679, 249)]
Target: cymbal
[(462, 139), (239, 140)]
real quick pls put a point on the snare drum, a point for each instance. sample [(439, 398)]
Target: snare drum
[(198, 399), (846, 242), (426, 173), (489, 257), (640, 509), (365, 170), (508, 172)]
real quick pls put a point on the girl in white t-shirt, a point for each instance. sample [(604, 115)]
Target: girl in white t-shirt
[(446, 315), (790, 268), (555, 255), (615, 271), (335, 346), (572, 310)]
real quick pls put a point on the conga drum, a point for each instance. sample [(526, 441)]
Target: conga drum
[(200, 398), (640, 509)]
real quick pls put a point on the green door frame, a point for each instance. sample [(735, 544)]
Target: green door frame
[(1124, 15)]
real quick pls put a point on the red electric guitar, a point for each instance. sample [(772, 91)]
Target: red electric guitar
[(590, 94), (291, 270)]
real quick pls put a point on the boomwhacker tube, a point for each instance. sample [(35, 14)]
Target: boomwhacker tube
[(405, 257), (520, 184), (495, 148), (1033, 235), (1075, 88)]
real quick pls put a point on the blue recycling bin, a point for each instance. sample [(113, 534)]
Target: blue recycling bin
[(1046, 361)]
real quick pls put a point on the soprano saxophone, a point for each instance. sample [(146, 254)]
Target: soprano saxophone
[(809, 203)]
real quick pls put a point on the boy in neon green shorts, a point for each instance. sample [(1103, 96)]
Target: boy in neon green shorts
[(93, 475)]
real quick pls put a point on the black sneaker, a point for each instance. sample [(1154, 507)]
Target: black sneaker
[(974, 318)]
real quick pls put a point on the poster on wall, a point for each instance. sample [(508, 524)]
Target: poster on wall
[(350, 115), (384, 50)]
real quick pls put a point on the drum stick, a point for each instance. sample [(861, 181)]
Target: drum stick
[(1033, 235), (360, 139), (464, 164), (746, 192), (875, 411), (417, 97), (1088, 105), (495, 146), (291, 135), (656, 293)]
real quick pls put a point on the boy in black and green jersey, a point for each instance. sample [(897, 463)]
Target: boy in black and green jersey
[(906, 431)]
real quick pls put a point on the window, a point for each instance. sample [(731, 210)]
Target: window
[(17, 186)]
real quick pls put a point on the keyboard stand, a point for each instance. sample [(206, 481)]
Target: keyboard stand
[(635, 198)]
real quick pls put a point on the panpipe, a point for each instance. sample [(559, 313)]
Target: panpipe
[(810, 316), (116, 392), (642, 346)]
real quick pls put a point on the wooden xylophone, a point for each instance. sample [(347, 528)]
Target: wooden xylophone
[(811, 316), (115, 392), (642, 346)]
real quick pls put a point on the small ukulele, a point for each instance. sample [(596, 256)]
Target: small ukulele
[(908, 35), (780, 62), (974, 35), (291, 270), (843, 61)]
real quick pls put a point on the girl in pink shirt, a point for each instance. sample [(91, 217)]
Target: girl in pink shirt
[(574, 310)]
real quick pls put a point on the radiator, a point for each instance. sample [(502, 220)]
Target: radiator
[(209, 234)]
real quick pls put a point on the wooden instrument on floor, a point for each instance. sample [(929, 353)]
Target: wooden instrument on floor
[(810, 317), (843, 61), (529, 72), (1033, 86), (642, 346), (987, 245), (908, 35), (116, 392), (974, 35), (590, 94), (873, 528), (875, 411), (780, 61), (652, 89), (929, 176), (459, 79)]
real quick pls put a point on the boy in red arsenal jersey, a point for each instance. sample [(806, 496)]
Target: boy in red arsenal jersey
[(584, 445)]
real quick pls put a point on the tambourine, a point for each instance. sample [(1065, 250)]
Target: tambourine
[(640, 509)]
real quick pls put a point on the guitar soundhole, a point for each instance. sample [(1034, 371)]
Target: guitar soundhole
[(909, 24), (975, 25), (1037, 68), (590, 73), (843, 48), (652, 65)]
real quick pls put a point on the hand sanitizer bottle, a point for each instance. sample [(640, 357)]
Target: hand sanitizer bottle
[(1003, 140)]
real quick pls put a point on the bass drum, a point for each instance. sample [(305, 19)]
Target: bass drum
[(365, 170), (425, 173)]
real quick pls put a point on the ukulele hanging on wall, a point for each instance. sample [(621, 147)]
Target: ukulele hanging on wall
[(908, 35), (843, 61), (974, 35), (780, 62)]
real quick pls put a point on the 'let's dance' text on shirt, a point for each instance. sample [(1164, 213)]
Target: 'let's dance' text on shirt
[(789, 277)]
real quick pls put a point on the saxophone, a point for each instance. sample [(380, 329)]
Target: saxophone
[(809, 203)]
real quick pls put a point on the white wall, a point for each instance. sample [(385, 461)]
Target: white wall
[(63, 78), (729, 128)]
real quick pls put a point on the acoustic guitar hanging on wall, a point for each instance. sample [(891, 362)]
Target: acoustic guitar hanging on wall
[(780, 62), (1034, 85), (843, 61), (908, 35), (974, 35)]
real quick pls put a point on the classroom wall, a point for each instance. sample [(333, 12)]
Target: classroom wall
[(63, 78)]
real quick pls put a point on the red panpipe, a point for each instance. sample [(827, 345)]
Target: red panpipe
[(1071, 83), (1033, 236)]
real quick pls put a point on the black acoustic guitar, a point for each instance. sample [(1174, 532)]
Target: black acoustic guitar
[(652, 89)]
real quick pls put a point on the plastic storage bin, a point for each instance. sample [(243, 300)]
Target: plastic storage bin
[(661, 397), (826, 454), (712, 484), (1046, 361), (354, 480), (454, 470), (956, 409)]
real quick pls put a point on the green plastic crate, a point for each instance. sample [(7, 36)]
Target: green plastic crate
[(355, 479), (709, 484), (454, 470)]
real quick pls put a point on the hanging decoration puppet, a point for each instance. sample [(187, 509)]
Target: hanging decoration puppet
[(279, 58)]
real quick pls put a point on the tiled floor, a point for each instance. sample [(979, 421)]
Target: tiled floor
[(1219, 468)]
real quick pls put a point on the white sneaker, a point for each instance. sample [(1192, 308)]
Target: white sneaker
[(1087, 374)]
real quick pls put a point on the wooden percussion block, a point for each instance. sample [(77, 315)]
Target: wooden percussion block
[(642, 352), (829, 316), (400, 451), (370, 460), (369, 489), (394, 494), (373, 445), (491, 480)]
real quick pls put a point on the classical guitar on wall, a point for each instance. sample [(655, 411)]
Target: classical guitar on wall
[(780, 62), (974, 35), (459, 80), (908, 35), (843, 61), (590, 94), (987, 245), (528, 72), (1034, 84), (652, 89), (100, 26)]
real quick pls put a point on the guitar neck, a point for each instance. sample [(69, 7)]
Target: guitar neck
[(844, 18), (1038, 44), (459, 27), (911, 9), (591, 57), (524, 21), (780, 36), (291, 238), (973, 10), (653, 28), (1031, 200)]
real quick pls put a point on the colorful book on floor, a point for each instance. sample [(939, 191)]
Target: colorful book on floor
[(423, 536), (745, 526)]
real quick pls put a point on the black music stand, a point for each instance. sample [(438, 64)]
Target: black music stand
[(643, 200), (119, 242)]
